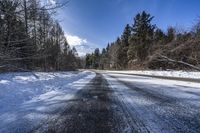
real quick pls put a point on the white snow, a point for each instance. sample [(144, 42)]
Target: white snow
[(27, 99), (186, 95), (178, 74), (177, 89)]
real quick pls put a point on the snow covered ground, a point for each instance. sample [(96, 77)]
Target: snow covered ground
[(34, 100), (178, 74), (158, 105), (28, 99)]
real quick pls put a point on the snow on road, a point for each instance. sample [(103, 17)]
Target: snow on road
[(28, 99), (157, 105), (177, 74), (32, 101)]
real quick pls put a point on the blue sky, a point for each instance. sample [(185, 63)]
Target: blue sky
[(93, 23)]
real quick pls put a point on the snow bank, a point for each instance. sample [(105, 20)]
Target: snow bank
[(28, 98), (177, 74)]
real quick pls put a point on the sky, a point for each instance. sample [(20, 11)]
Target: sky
[(90, 24)]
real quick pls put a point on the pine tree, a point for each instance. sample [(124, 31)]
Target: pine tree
[(124, 46), (159, 36), (96, 60), (170, 34), (103, 59), (142, 35), (108, 46)]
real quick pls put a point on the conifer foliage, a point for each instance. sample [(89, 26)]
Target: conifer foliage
[(143, 45)]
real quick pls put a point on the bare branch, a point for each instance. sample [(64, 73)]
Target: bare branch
[(179, 62)]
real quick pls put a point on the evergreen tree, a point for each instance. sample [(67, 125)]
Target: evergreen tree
[(108, 46), (142, 35), (159, 36), (117, 58), (124, 46), (103, 59), (170, 34), (96, 58)]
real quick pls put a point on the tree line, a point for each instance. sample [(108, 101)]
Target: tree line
[(143, 45), (31, 39)]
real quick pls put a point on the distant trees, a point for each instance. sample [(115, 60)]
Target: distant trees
[(144, 46), (171, 34), (159, 36), (31, 39), (93, 60)]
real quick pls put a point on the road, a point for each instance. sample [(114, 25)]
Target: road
[(119, 103)]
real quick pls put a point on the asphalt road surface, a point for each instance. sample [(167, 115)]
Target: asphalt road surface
[(124, 104)]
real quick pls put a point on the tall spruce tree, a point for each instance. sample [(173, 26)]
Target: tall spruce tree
[(142, 34), (124, 46)]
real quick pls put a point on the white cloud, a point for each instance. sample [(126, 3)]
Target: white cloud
[(82, 45), (75, 40), (84, 49)]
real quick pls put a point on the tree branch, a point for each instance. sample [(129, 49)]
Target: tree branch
[(179, 62)]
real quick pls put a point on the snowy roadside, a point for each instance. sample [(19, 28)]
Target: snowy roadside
[(170, 74), (28, 99)]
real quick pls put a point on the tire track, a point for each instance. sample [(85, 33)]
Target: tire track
[(93, 110), (172, 114)]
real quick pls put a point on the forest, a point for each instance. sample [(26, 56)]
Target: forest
[(143, 45), (32, 39)]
